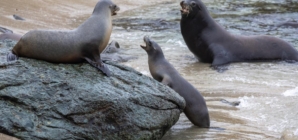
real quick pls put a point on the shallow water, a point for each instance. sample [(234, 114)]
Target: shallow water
[(267, 91)]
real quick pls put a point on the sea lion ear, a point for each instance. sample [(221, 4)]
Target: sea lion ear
[(153, 48), (200, 8), (111, 6)]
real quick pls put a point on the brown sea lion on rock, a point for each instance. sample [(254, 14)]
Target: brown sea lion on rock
[(84, 43), (211, 43), (161, 70)]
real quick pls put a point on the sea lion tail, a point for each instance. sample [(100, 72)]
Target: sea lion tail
[(100, 66), (11, 57)]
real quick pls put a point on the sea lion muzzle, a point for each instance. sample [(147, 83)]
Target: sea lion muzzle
[(184, 8)]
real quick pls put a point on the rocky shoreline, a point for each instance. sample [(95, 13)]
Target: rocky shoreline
[(41, 100)]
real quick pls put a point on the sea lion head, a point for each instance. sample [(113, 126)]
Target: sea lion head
[(192, 8), (151, 47), (102, 4)]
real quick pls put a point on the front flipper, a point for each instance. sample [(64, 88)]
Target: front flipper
[(221, 58), (220, 68), (166, 81), (219, 64), (100, 66), (11, 57)]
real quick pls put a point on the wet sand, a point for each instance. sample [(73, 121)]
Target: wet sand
[(53, 14)]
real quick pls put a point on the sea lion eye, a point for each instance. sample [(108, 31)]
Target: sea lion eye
[(193, 4), (149, 43)]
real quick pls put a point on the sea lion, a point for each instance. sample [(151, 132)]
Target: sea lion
[(211, 43), (5, 30), (8, 34), (113, 47), (113, 53), (16, 17), (287, 24), (162, 71), (83, 43), (11, 36), (234, 103)]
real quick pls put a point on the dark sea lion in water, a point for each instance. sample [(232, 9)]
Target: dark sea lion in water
[(234, 103), (290, 24), (74, 46), (16, 17), (211, 43), (5, 30), (161, 70), (113, 47), (113, 53), (8, 34)]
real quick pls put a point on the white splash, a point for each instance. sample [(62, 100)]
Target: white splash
[(291, 92), (145, 72), (245, 102), (296, 133)]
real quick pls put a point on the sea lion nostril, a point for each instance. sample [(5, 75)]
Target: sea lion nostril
[(146, 38), (182, 3)]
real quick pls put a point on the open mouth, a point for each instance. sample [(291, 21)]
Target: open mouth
[(116, 10), (146, 40), (143, 46), (184, 8)]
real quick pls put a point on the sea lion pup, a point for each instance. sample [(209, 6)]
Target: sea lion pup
[(211, 43), (8, 34), (162, 71), (84, 43)]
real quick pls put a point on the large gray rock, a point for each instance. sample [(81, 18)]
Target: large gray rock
[(41, 100)]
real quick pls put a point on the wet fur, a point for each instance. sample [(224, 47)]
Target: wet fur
[(161, 70), (84, 43), (211, 43)]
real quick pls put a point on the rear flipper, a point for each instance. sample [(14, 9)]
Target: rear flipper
[(100, 66), (221, 58), (11, 57)]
